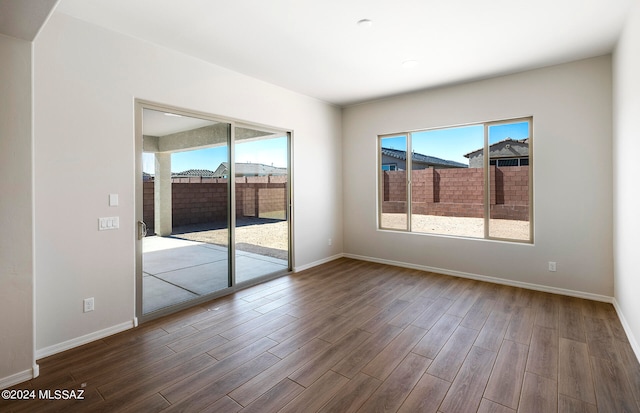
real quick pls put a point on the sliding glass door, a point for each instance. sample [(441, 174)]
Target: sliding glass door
[(212, 208), (261, 207)]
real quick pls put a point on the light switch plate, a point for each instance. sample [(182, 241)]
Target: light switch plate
[(113, 200), (107, 223)]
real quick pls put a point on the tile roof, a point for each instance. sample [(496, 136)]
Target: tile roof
[(194, 172), (524, 141), (418, 157), (251, 169)]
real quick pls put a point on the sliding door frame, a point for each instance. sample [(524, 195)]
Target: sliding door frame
[(139, 106)]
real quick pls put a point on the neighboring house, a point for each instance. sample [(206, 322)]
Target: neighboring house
[(249, 169), (508, 152), (204, 173), (396, 160)]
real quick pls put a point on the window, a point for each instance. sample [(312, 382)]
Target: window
[(509, 162), (395, 182), (469, 181)]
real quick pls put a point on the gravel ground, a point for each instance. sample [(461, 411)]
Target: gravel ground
[(467, 227), (269, 237), (266, 237)]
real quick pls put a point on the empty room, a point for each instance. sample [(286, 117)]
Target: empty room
[(206, 206)]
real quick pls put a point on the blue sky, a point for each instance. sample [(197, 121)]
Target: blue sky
[(450, 144), (453, 143), (266, 151)]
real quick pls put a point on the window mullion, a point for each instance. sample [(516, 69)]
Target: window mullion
[(486, 190), (409, 180)]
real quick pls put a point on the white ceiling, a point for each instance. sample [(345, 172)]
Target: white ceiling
[(316, 47), (23, 19)]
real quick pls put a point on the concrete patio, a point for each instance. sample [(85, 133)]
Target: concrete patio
[(176, 270)]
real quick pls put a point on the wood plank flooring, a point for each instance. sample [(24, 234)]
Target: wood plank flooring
[(353, 336)]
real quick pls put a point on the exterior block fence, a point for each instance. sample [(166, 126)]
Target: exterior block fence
[(198, 200), (459, 192)]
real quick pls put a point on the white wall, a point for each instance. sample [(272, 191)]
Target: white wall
[(571, 106), (626, 147), (86, 79), (16, 212)]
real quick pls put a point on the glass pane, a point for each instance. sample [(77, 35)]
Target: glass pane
[(262, 221), (185, 202), (509, 181), (393, 181), (447, 181)]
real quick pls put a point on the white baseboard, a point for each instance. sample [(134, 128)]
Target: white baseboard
[(529, 286), (96, 335), (627, 329), (17, 378), (316, 263)]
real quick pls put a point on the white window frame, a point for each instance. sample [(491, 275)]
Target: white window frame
[(486, 189)]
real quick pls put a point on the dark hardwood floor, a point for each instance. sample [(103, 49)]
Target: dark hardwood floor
[(352, 336)]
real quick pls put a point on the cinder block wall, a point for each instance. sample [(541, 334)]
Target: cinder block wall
[(459, 192), (197, 200)]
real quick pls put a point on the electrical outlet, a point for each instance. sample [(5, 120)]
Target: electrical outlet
[(552, 266), (330, 242), (88, 304)]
